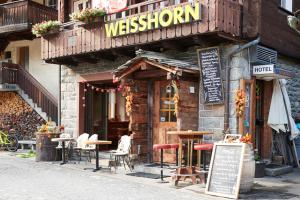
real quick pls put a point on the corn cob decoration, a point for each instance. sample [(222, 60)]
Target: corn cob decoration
[(240, 100), (176, 97)]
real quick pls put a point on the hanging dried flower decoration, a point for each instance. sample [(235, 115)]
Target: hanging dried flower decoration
[(176, 97), (240, 101), (127, 91)]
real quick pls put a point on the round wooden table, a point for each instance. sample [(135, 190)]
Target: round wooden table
[(98, 143), (63, 141)]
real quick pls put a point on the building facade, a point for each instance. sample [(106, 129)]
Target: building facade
[(148, 80), (22, 70)]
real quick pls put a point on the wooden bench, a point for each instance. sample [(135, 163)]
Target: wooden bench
[(31, 143)]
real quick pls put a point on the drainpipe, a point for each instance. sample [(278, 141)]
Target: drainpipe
[(227, 78), (59, 97)]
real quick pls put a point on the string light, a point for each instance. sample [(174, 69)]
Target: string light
[(97, 89)]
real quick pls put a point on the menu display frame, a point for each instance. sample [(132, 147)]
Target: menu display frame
[(217, 66), (235, 193)]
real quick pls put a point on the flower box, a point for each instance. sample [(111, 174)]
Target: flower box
[(46, 28), (88, 16)]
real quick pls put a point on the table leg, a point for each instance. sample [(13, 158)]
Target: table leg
[(191, 151), (97, 159), (180, 152), (188, 153), (63, 153)]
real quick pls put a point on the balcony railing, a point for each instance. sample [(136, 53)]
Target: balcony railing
[(15, 74), (20, 15), (217, 16)]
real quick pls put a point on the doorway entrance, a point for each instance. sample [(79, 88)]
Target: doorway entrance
[(165, 118), (105, 112)]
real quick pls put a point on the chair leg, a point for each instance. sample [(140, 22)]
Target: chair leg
[(176, 157), (79, 155), (161, 165), (123, 160), (116, 163)]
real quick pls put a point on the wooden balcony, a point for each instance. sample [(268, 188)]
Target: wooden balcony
[(217, 16), (19, 16)]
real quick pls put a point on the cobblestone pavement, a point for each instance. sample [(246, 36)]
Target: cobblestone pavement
[(24, 179)]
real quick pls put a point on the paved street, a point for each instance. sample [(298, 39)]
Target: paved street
[(26, 179)]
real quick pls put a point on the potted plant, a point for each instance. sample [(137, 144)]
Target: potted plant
[(88, 15), (259, 165), (47, 27)]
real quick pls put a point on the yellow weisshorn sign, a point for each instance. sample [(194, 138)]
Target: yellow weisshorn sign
[(162, 18)]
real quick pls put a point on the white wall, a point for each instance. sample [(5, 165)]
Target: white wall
[(46, 74)]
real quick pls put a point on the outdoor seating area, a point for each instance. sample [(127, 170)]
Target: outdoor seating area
[(87, 147)]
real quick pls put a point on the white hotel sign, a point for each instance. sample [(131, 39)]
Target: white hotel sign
[(263, 69)]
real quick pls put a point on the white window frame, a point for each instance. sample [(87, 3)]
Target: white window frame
[(287, 5)]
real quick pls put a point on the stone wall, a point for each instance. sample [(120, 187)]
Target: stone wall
[(70, 91), (211, 117), (293, 85)]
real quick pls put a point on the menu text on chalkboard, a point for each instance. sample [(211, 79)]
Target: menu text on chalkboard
[(225, 170), (209, 62)]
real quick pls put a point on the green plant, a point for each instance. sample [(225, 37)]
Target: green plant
[(88, 14), (30, 154), (44, 27), (256, 157)]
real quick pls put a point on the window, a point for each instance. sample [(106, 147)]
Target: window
[(80, 5), (287, 4), (7, 55), (52, 4), (167, 104)]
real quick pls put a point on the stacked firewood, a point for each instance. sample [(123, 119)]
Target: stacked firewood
[(16, 114)]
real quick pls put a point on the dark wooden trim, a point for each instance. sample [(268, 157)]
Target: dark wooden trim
[(100, 76), (222, 16)]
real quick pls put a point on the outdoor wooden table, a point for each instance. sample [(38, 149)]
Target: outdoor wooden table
[(190, 137), (98, 143), (63, 141)]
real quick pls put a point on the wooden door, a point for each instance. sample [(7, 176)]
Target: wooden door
[(164, 119), (23, 58)]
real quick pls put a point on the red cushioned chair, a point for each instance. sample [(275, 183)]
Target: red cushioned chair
[(203, 148), (161, 147), (175, 146)]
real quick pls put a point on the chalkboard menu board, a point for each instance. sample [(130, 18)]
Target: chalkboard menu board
[(225, 170), (209, 61)]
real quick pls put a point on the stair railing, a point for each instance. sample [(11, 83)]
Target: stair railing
[(15, 74)]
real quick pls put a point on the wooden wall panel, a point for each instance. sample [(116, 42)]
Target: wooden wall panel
[(218, 15)]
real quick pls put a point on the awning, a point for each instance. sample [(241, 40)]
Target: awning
[(280, 116), (158, 60)]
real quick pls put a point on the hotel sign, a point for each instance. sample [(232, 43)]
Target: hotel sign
[(269, 72), (263, 69), (161, 18)]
